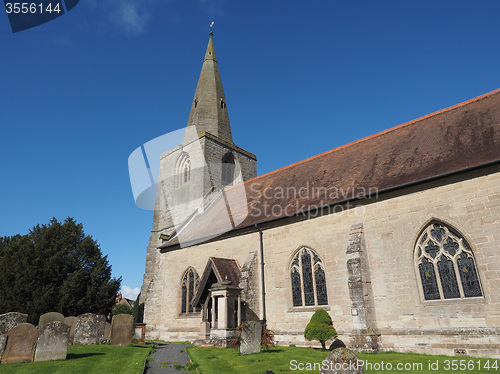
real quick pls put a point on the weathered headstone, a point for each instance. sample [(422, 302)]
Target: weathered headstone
[(341, 361), (50, 317), (107, 331), (122, 329), (71, 322), (52, 342), (89, 328), (21, 343), (7, 322), (337, 343), (251, 337)]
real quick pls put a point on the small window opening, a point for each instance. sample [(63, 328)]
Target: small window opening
[(222, 104)]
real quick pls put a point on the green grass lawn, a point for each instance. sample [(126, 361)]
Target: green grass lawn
[(91, 359), (298, 360)]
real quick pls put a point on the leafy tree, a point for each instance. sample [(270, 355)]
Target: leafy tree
[(123, 309), (55, 267), (320, 327)]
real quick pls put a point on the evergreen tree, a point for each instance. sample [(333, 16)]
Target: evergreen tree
[(320, 327), (123, 309), (56, 267)]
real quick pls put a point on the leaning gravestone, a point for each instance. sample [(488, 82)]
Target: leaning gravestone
[(50, 317), (341, 361), (52, 342), (71, 322), (21, 344), (122, 329), (251, 337), (89, 328), (7, 322)]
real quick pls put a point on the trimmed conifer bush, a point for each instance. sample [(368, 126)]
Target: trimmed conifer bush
[(320, 328)]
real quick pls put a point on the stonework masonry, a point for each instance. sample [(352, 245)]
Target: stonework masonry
[(468, 202)]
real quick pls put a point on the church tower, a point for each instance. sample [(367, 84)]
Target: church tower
[(193, 173)]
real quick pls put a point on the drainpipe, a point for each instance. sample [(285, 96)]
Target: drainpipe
[(263, 286)]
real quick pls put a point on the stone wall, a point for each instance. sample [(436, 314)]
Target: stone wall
[(469, 203)]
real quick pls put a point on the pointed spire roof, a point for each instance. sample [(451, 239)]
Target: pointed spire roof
[(209, 109)]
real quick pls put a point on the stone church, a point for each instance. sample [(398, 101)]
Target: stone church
[(396, 235)]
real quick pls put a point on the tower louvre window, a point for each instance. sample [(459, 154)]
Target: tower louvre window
[(183, 169), (445, 264), (227, 169)]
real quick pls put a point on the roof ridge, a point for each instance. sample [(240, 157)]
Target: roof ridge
[(405, 124)]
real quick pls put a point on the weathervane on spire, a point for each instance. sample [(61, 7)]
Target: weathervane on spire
[(211, 25)]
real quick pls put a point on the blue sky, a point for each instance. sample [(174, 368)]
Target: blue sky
[(80, 93)]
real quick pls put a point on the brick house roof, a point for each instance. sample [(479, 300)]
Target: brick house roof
[(451, 140)]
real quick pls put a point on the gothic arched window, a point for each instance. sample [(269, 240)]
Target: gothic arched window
[(227, 169), (189, 285), (445, 264), (183, 169), (307, 274)]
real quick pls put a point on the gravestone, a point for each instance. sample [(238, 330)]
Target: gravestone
[(21, 343), (122, 329), (251, 337), (89, 328), (52, 341), (7, 322), (50, 317), (341, 361), (71, 322)]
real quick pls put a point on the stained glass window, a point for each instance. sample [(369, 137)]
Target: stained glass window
[(429, 282), (296, 288), (468, 276), (446, 264), (308, 279), (189, 285)]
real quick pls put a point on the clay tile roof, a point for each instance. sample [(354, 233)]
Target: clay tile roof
[(448, 141), (225, 270)]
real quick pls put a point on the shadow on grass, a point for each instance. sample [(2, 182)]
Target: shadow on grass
[(72, 356), (137, 345), (272, 350)]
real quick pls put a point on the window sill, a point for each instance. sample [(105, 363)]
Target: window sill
[(307, 308), (465, 300), (189, 315)]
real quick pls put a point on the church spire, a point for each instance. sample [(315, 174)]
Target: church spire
[(209, 109)]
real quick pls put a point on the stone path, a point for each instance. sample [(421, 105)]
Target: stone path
[(166, 356)]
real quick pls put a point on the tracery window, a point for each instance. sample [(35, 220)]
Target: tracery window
[(189, 285), (445, 264), (227, 169), (307, 274)]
